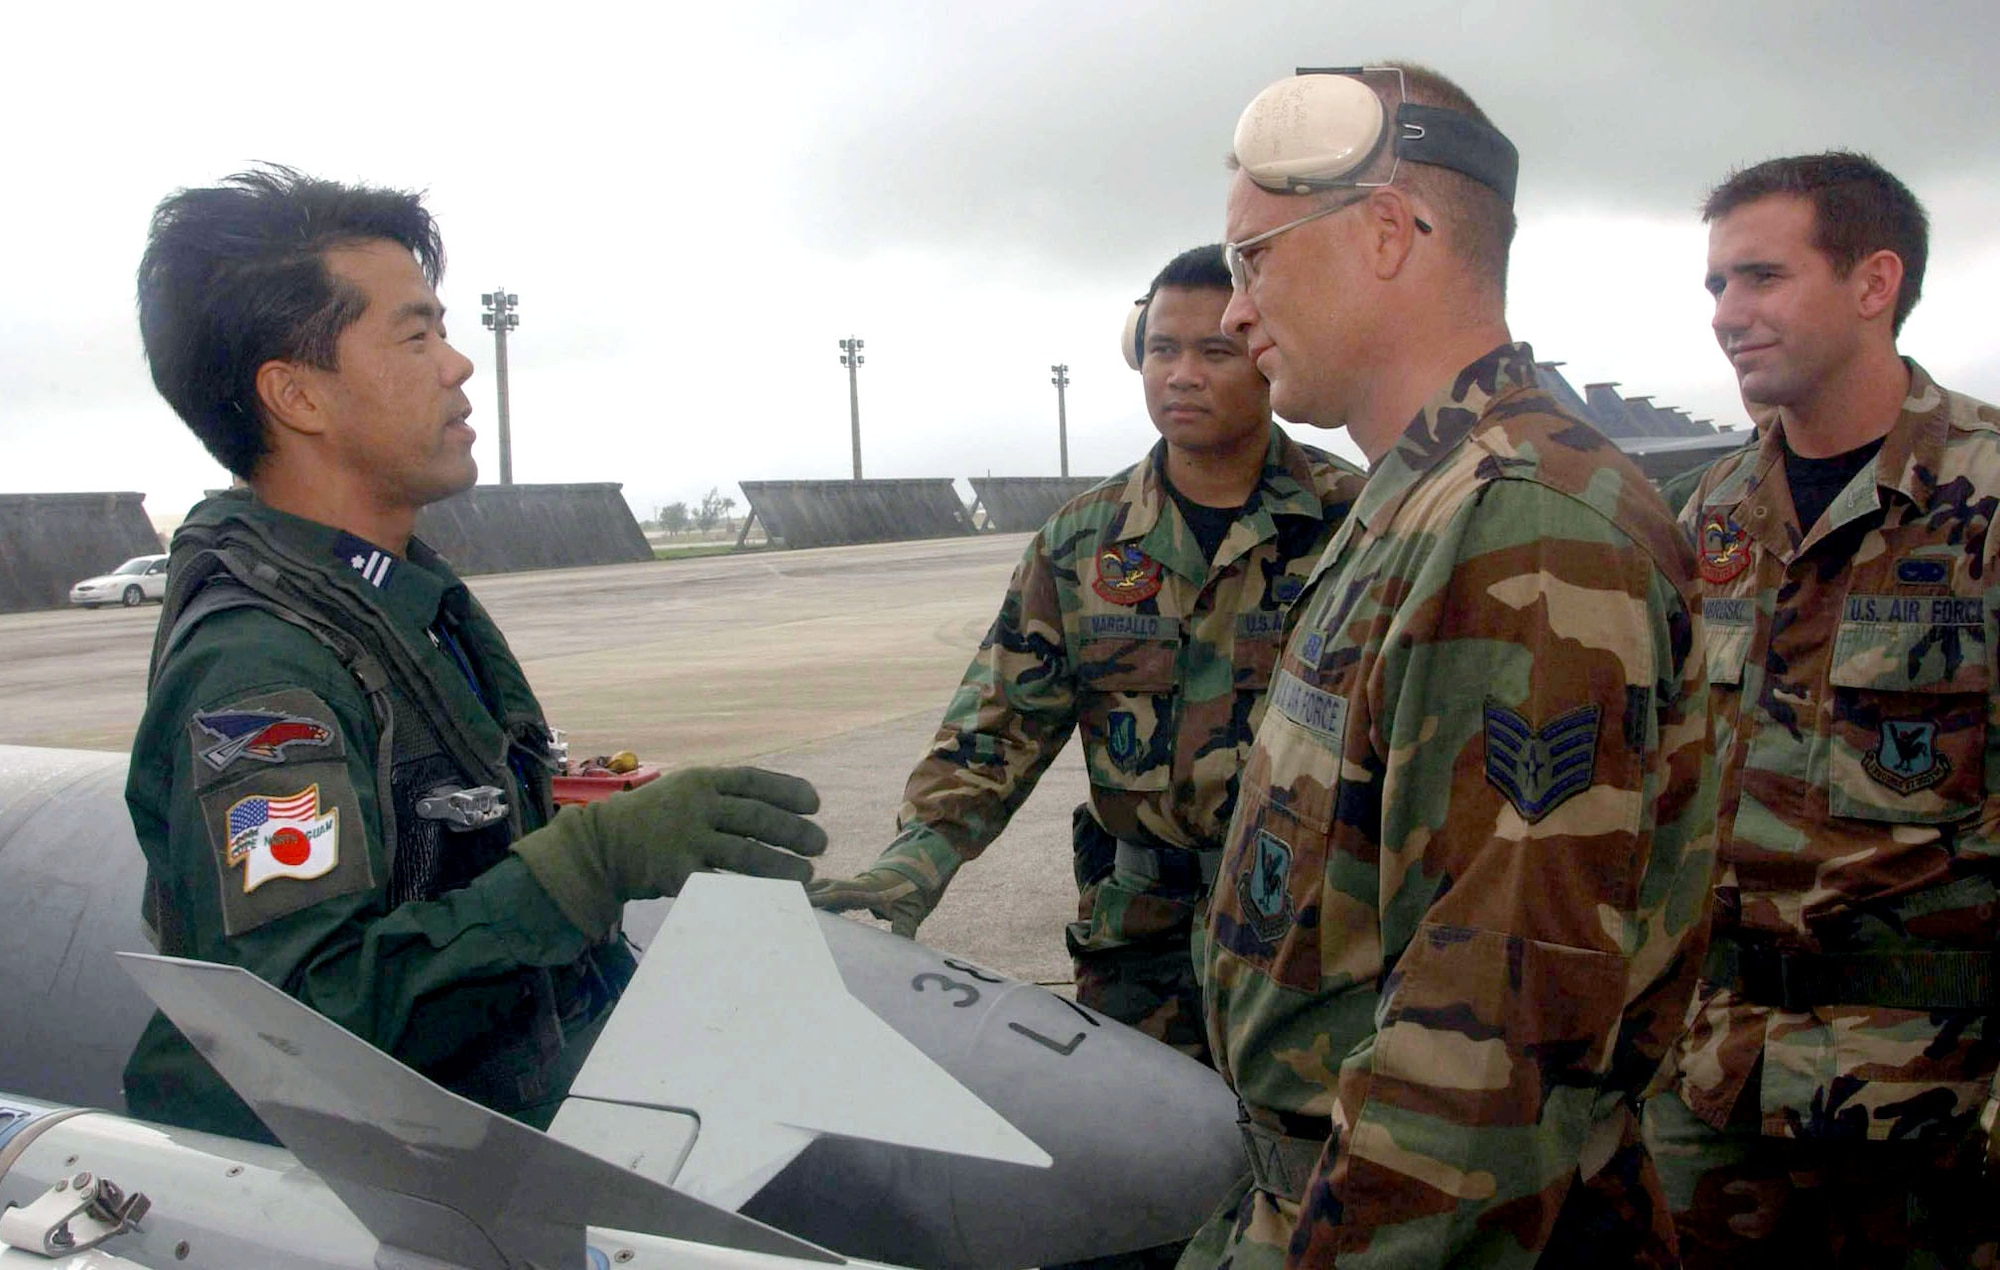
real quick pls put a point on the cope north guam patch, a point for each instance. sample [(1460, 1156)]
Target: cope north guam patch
[(1905, 756), (1724, 550), (1126, 575), (1540, 769), (284, 837)]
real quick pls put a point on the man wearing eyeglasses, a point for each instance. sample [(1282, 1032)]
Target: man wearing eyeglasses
[(1464, 897)]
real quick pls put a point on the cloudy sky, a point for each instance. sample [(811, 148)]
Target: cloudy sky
[(696, 202)]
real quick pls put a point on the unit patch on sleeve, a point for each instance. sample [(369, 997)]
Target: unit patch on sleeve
[(1126, 575), (266, 730), (258, 734), (1540, 769)]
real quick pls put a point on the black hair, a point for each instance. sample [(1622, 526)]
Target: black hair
[(1196, 269), (235, 276), (1858, 210)]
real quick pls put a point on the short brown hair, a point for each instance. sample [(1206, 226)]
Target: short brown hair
[(1858, 210), (1479, 223)]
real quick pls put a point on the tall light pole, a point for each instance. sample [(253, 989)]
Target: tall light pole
[(501, 318), (850, 357), (1061, 381)]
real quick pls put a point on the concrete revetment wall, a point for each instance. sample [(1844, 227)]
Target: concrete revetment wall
[(50, 542)]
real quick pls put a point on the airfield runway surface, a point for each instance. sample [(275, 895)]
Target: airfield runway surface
[(833, 664)]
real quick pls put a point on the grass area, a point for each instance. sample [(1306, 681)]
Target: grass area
[(694, 550)]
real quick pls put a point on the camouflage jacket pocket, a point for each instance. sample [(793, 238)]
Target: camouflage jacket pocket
[(1266, 906), (1126, 700), (1484, 1029), (1908, 742)]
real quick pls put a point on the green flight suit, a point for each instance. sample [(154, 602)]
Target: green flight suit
[(257, 790)]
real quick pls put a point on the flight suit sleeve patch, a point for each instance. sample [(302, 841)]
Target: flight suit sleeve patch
[(268, 729), (279, 807)]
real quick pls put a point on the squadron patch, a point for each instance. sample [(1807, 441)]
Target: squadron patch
[(1905, 756), (1123, 739), (1126, 575), (1263, 890), (1724, 549), (264, 735), (1540, 769)]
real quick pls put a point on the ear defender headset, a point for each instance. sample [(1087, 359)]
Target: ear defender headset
[(1134, 339), (1347, 127)]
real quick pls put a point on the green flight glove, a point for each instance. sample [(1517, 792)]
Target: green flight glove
[(645, 842), (903, 885)]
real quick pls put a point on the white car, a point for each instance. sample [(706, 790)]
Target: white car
[(139, 579)]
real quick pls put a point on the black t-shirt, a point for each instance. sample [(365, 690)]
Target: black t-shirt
[(1209, 524), (1815, 483)]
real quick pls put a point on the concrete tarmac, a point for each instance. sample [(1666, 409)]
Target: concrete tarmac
[(833, 664)]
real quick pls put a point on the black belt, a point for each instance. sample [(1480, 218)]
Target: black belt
[(1912, 979)]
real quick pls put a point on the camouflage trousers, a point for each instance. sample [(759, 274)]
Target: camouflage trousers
[(1614, 1220), (1741, 1199), (1149, 986)]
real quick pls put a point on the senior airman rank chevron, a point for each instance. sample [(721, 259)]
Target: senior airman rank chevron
[(282, 838)]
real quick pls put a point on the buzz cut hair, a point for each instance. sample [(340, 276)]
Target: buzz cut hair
[(1477, 222), (1858, 210)]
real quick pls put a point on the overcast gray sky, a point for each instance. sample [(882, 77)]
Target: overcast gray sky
[(695, 202)]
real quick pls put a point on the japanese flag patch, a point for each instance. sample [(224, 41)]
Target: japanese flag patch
[(282, 838)]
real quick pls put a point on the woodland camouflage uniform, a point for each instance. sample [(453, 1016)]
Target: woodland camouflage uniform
[(1848, 996), (1465, 895), (1114, 623)]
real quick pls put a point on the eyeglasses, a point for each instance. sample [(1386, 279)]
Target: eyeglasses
[(1242, 272)]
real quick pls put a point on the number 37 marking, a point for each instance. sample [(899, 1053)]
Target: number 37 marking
[(966, 995)]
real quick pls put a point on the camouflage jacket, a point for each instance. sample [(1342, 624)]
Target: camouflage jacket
[(1464, 898), (1115, 621), (1853, 674)]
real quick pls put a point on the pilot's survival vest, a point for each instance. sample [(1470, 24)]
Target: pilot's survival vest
[(432, 843)]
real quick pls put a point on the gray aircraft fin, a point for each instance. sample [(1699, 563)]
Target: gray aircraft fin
[(427, 1171)]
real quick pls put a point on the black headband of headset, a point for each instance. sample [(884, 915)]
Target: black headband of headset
[(1448, 139)]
